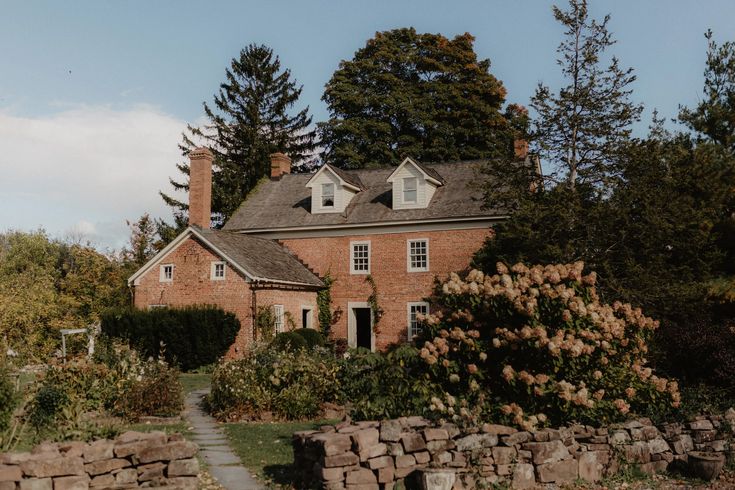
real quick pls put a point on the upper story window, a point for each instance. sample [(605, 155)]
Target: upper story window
[(166, 273), (218, 271), (278, 316), (360, 257), (418, 255), (328, 195), (414, 310), (410, 185)]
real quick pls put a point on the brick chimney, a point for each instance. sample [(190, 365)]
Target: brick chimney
[(280, 164), (200, 187), (520, 149)]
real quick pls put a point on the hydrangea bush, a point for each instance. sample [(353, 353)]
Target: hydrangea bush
[(535, 346)]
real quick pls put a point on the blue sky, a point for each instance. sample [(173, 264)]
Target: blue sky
[(94, 94)]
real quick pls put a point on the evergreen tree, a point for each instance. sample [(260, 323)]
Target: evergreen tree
[(714, 117), (418, 95), (251, 118), (580, 129)]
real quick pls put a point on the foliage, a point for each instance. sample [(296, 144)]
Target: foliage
[(120, 383), (144, 242), (324, 306), (658, 239), (386, 385), (700, 348), (580, 129), (8, 399), (194, 336), (312, 337), (46, 285), (265, 323), (250, 120), (414, 94), (532, 346), (289, 341), (377, 311), (714, 117), (287, 384), (156, 392)]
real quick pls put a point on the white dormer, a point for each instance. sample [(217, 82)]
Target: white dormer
[(332, 190), (413, 185)]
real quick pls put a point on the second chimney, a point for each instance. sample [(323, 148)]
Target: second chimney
[(520, 149), (200, 187), (280, 164)]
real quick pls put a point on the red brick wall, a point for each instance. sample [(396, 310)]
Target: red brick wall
[(448, 251), (292, 302), (192, 285)]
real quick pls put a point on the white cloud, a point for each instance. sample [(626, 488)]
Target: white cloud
[(86, 170)]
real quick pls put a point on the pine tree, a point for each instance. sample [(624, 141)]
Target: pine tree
[(714, 117), (418, 95), (251, 118), (580, 129)]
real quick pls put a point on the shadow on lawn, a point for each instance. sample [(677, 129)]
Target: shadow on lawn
[(281, 474)]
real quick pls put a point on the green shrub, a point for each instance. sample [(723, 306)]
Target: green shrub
[(534, 346), (385, 385), (124, 385), (8, 399), (288, 384), (312, 337), (194, 336), (159, 393), (289, 341)]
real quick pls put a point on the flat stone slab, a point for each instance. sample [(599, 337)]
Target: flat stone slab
[(216, 458), (235, 477)]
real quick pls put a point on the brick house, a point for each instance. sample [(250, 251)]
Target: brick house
[(384, 231)]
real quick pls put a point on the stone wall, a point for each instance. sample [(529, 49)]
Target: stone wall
[(133, 460), (377, 455)]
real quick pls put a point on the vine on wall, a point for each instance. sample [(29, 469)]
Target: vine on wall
[(373, 302), (324, 306)]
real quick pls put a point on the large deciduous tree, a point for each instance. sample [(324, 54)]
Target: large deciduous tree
[(251, 118), (413, 94), (580, 128)]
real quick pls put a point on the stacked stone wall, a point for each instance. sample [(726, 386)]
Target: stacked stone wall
[(133, 460), (379, 455)]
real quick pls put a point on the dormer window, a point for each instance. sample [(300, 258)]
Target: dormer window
[(410, 185), (328, 195), (413, 185), (332, 189)]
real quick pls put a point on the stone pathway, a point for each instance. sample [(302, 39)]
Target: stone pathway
[(214, 449)]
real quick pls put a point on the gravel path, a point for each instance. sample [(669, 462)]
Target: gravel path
[(214, 449)]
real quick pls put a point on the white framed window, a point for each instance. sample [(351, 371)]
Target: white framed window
[(414, 309), (166, 273), (278, 314), (328, 195), (360, 257), (417, 252), (217, 272), (410, 184)]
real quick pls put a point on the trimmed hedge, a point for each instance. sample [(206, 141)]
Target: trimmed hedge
[(193, 336), (312, 337), (289, 342)]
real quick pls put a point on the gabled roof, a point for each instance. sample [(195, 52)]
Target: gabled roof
[(258, 259), (348, 179), (430, 173), (286, 203)]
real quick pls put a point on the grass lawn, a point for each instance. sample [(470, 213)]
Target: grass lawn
[(265, 448), (194, 381)]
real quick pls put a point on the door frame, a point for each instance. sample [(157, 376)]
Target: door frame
[(352, 323)]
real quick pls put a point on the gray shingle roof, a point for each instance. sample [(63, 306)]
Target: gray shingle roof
[(261, 257), (349, 177), (287, 202)]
